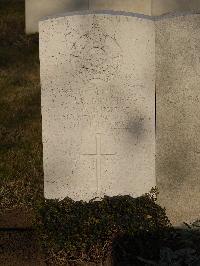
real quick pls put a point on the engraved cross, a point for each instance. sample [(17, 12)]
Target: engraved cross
[(98, 154)]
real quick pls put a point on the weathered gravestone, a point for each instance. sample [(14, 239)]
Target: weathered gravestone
[(98, 105), (147, 7), (178, 116)]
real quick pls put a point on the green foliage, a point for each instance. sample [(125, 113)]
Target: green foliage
[(88, 229)]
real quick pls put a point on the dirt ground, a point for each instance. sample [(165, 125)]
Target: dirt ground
[(19, 248), (21, 172), (21, 176)]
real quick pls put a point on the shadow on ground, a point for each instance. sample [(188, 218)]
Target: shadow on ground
[(177, 247)]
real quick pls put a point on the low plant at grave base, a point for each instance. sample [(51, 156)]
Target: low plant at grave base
[(86, 231)]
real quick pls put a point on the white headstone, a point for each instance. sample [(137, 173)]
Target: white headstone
[(98, 105), (178, 116)]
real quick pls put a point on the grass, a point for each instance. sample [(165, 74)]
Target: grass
[(21, 173)]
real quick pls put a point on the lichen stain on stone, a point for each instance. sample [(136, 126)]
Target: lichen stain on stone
[(136, 127)]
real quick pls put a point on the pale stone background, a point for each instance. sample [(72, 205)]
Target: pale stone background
[(135, 6), (37, 9), (160, 7), (98, 105), (178, 116)]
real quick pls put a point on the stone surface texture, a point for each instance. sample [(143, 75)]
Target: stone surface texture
[(178, 116), (160, 7), (98, 105)]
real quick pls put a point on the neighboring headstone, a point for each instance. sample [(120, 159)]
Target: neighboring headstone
[(160, 7), (37, 9), (178, 116), (135, 6), (98, 105)]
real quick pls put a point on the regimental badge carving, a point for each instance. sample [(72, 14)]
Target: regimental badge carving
[(95, 55)]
